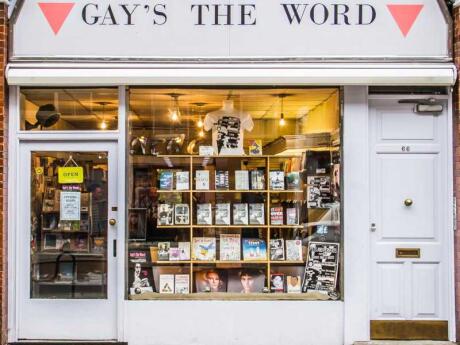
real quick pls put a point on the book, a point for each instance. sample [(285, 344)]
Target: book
[(240, 214), (210, 280), (257, 214), (167, 283), (293, 284), (163, 251), (254, 249), (222, 180), (230, 247), (242, 180), (166, 180), (276, 215), (255, 147), (293, 180), (277, 249), (184, 251), (223, 214), (181, 284), (246, 280), (182, 180), (165, 214), (291, 216), (204, 248), (202, 180), (204, 214), (181, 214), (277, 282), (294, 250), (174, 254), (154, 254), (257, 179), (277, 180), (140, 277)]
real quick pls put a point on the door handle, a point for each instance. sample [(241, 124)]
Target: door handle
[(112, 222), (408, 202)]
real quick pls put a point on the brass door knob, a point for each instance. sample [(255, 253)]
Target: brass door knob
[(408, 202), (112, 222)]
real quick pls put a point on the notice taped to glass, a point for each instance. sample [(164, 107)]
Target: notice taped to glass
[(70, 205), (321, 268)]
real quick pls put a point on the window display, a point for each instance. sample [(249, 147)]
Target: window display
[(252, 208)]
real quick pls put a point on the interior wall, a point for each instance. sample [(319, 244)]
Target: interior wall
[(324, 118)]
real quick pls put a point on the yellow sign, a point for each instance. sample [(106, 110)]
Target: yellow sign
[(69, 175)]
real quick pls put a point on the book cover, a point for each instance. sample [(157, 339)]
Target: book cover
[(242, 180), (294, 250), (257, 214), (163, 251), (293, 284), (154, 254), (181, 214), (277, 180), (204, 248), (291, 216), (174, 254), (222, 180), (223, 214), (167, 283), (166, 180), (240, 214), (246, 280), (293, 180), (258, 180), (318, 191), (277, 249), (184, 251), (204, 214), (276, 215), (210, 280), (230, 247), (255, 147), (140, 278), (181, 284), (202, 180), (165, 214), (277, 282), (254, 249), (182, 180), (137, 256)]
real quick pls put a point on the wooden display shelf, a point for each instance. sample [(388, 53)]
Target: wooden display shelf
[(285, 191), (228, 262), (229, 191), (224, 296), (286, 226), (173, 190), (287, 262), (173, 226), (172, 263), (195, 226)]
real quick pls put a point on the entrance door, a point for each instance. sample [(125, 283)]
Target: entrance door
[(409, 227), (66, 262)]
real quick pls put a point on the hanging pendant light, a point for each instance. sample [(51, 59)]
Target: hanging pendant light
[(103, 125), (282, 121), (174, 113)]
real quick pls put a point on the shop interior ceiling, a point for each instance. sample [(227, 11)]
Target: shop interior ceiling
[(149, 107)]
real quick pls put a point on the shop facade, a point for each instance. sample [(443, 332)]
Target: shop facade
[(201, 173)]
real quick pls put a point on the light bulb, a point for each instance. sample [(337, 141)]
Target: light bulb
[(282, 121), (201, 134), (103, 125), (200, 123), (174, 116)]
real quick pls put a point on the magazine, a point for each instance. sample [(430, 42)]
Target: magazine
[(182, 180), (184, 251), (163, 251), (246, 280), (140, 278), (294, 250), (166, 180), (242, 180), (277, 282), (258, 180), (293, 180), (204, 248), (165, 214), (254, 249), (181, 214), (210, 280), (291, 216), (222, 180), (277, 249), (240, 214), (181, 284), (230, 247), (293, 284), (202, 180), (204, 214), (223, 214), (276, 215), (257, 214), (167, 283), (277, 180)]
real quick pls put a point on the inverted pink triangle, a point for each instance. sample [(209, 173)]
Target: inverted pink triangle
[(405, 16), (56, 13)]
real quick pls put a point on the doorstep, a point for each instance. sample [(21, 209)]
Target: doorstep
[(404, 342), (68, 342)]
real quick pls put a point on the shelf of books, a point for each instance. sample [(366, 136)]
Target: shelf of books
[(232, 227)]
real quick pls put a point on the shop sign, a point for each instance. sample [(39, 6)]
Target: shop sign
[(70, 205), (326, 29), (70, 175)]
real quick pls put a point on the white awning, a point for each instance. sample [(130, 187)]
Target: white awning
[(317, 74)]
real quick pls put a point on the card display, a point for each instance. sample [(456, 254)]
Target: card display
[(277, 249), (202, 180), (230, 247), (223, 214), (256, 214), (242, 180), (294, 250), (240, 214), (204, 248), (204, 214), (254, 249), (182, 180), (277, 180)]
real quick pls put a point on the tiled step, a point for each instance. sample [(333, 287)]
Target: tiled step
[(400, 342)]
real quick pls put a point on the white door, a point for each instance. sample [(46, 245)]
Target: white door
[(409, 213), (66, 283)]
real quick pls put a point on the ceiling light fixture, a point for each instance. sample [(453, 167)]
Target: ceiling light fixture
[(174, 113), (282, 96), (103, 125), (200, 106)]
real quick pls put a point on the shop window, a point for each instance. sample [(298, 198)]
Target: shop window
[(234, 194), (69, 109)]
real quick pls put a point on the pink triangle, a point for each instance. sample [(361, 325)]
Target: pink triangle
[(405, 16), (56, 13)]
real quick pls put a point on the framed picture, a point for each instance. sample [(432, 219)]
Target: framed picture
[(137, 227)]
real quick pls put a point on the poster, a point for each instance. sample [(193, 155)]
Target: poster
[(321, 268), (70, 205)]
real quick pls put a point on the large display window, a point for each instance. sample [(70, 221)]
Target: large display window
[(234, 193)]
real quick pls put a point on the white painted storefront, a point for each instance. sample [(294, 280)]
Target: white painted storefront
[(390, 154)]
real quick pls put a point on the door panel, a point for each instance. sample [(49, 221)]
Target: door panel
[(396, 123), (390, 288), (425, 284)]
